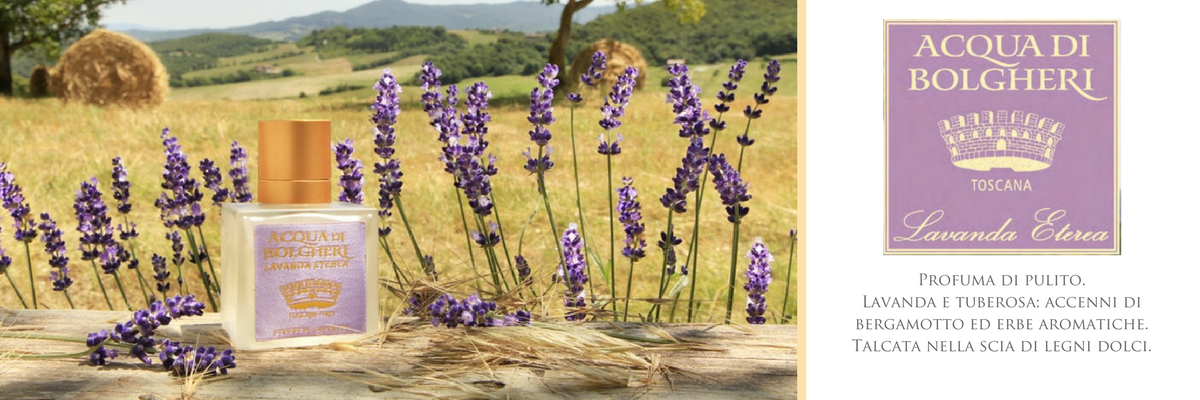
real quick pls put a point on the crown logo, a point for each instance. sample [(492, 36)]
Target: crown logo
[(986, 140), (311, 293)]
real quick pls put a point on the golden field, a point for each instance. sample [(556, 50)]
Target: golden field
[(52, 147)]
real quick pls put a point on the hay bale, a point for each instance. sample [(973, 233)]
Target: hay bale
[(620, 55), (39, 81), (106, 68)]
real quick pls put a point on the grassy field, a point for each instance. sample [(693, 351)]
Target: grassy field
[(52, 147)]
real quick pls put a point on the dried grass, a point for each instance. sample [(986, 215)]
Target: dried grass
[(620, 55), (109, 68), (481, 362)]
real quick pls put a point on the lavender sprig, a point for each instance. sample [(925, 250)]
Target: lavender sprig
[(758, 278), (139, 332), (56, 249), (472, 311), (96, 233), (613, 110), (752, 113), (541, 115), (24, 230), (725, 96), (161, 274), (387, 108), (733, 192), (180, 208), (630, 212), (212, 181), (351, 181), (127, 231), (239, 174), (573, 274)]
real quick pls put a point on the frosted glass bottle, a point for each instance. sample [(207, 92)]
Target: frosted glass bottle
[(297, 269)]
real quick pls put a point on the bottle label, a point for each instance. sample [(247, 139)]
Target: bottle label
[(309, 280)]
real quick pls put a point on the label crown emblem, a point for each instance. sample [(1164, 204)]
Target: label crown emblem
[(986, 140)]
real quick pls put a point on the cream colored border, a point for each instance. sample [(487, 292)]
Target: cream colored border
[(1116, 249)]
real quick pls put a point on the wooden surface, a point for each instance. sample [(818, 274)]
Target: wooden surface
[(723, 362)]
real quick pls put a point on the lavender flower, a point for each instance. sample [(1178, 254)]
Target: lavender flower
[(535, 164), (769, 78), (630, 214), (491, 239), (594, 72), (387, 108), (179, 203), (472, 311), (95, 225), (239, 174), (120, 187), (729, 184), (574, 273), (463, 154), (161, 274), (351, 181), (687, 177), (684, 97), (57, 250), (541, 109), (5, 261), (139, 332), (13, 200), (758, 277), (668, 249), (212, 181), (176, 248), (524, 274), (614, 108), (727, 96)]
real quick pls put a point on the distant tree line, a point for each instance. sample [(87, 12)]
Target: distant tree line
[(507, 56), (176, 80), (199, 52), (730, 29), (408, 40)]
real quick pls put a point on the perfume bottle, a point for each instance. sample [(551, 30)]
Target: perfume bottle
[(296, 268)]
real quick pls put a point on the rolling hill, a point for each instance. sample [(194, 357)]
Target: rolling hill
[(515, 16)]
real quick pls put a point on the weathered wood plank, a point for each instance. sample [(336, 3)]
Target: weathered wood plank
[(721, 362)]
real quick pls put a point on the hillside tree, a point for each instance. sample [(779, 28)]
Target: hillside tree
[(689, 11), (40, 26)]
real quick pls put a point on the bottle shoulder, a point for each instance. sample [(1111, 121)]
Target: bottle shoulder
[(299, 210)]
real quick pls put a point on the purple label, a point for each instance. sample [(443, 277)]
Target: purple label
[(309, 280), (1001, 137)]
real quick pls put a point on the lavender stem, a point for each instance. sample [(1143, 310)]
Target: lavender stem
[(96, 270)]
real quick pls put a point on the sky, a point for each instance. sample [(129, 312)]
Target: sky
[(192, 14)]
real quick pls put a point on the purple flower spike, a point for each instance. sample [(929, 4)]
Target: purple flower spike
[(13, 200), (463, 153), (491, 239), (629, 212), (595, 71), (387, 108), (726, 96), (161, 274), (684, 97), (351, 181), (212, 181), (57, 250), (534, 164), (139, 333), (758, 278), (5, 261), (687, 176), (95, 226), (614, 109), (541, 110), (120, 186), (729, 184), (179, 203), (574, 97), (573, 274), (239, 174), (760, 98), (524, 273)]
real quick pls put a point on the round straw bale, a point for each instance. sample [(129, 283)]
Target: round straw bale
[(106, 68), (39, 81), (620, 55)]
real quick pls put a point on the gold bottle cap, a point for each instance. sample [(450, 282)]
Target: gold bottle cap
[(294, 161)]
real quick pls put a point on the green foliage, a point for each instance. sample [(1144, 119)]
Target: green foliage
[(202, 51), (345, 87), (233, 77), (408, 40), (730, 29), (508, 56)]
